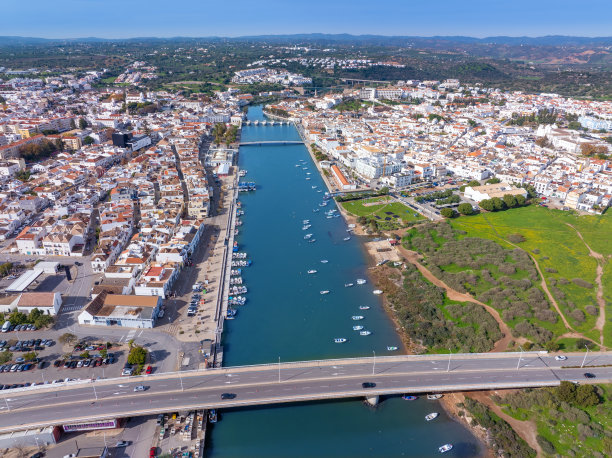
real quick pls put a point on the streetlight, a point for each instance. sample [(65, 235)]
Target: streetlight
[(374, 365), (520, 356), (585, 356), (450, 353)]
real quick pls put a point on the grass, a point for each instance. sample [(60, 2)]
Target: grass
[(357, 208), (557, 246)]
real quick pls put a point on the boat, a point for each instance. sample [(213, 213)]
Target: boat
[(312, 271), (308, 173), (348, 285), (431, 416), (307, 236), (365, 333), (357, 317), (391, 348), (305, 221), (324, 292), (346, 238), (297, 165), (357, 328), (445, 448), (314, 187), (316, 210), (339, 340), (324, 261), (212, 416), (364, 307), (433, 397), (306, 227), (361, 281), (408, 397), (312, 240), (307, 178), (231, 314), (377, 291)]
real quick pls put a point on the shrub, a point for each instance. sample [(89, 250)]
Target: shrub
[(550, 270), (547, 446), (535, 251), (578, 315), (591, 310), (582, 283), (586, 396), (516, 238)]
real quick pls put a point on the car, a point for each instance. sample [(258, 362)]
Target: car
[(41, 365), (160, 418), (21, 359), (148, 370), (127, 371), (87, 363), (77, 263), (122, 444), (38, 455), (27, 367), (14, 367), (368, 385), (560, 358), (57, 363), (140, 388), (80, 363), (589, 375), (228, 395)]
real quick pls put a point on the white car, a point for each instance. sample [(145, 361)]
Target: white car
[(560, 358)]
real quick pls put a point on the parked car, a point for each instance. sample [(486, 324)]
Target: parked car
[(149, 370)]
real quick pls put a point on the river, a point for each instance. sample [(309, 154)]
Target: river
[(286, 317)]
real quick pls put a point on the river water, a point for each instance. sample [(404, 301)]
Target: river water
[(286, 317)]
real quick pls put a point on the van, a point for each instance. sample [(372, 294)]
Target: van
[(6, 326)]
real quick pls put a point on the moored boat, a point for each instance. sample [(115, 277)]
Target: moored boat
[(377, 291), (357, 328), (357, 317), (324, 261), (432, 397), (312, 271), (364, 307), (408, 397), (339, 340), (361, 281), (445, 448), (348, 285), (365, 333), (346, 239), (391, 348), (324, 292), (431, 416)]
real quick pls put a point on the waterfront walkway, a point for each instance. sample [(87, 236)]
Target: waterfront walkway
[(86, 400)]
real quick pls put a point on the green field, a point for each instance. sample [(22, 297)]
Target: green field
[(560, 253), (398, 211)]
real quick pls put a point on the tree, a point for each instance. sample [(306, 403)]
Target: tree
[(18, 318), (448, 212), (67, 338), (590, 149), (586, 396), (88, 140), (520, 200), (104, 353), (137, 355), (59, 144), (5, 357), (36, 151), (82, 124), (510, 200), (72, 124), (465, 208), (487, 204), (493, 180), (5, 268), (566, 392), (30, 356), (498, 204)]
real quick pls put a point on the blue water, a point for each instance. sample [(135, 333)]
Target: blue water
[(287, 317)]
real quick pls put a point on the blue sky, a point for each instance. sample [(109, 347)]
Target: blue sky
[(167, 18)]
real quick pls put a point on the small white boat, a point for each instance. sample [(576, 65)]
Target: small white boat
[(346, 238), (433, 397), (312, 271), (357, 317), (306, 227), (357, 328), (361, 281), (339, 340), (431, 416), (365, 333), (377, 291), (348, 285), (307, 178), (305, 221), (391, 348), (312, 240), (445, 448), (316, 210), (324, 292), (364, 307), (297, 165), (324, 261), (307, 236), (314, 187), (307, 173)]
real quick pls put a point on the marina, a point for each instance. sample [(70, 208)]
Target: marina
[(288, 319)]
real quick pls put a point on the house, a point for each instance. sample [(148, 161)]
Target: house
[(489, 191), (125, 310), (48, 303)]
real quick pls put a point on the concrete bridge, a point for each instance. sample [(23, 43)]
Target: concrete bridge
[(88, 400), (273, 142)]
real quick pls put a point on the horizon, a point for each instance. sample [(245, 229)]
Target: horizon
[(117, 19)]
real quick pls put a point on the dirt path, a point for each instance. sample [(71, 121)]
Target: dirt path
[(527, 430), (414, 258), (601, 260)]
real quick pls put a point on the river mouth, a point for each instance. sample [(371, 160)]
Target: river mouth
[(287, 317)]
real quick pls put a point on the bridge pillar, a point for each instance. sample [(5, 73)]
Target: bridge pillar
[(372, 400)]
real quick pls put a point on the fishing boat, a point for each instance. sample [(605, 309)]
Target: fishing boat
[(361, 281), (307, 178), (318, 190), (433, 397), (212, 416), (357, 317), (306, 227), (324, 261), (364, 307), (308, 173), (314, 187), (312, 240), (297, 165), (348, 285), (445, 448), (377, 292), (231, 314), (307, 236), (324, 292), (408, 397), (431, 416), (305, 221), (357, 328), (339, 340), (312, 271), (365, 333), (346, 238), (391, 348), (316, 210)]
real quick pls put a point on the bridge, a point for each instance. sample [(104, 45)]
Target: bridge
[(88, 400), (273, 142)]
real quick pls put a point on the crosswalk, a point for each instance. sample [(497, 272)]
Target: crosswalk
[(71, 308)]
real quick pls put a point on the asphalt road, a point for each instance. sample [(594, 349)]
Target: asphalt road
[(293, 382)]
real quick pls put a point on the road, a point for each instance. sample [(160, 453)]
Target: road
[(291, 382)]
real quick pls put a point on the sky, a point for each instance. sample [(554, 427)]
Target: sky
[(230, 18)]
